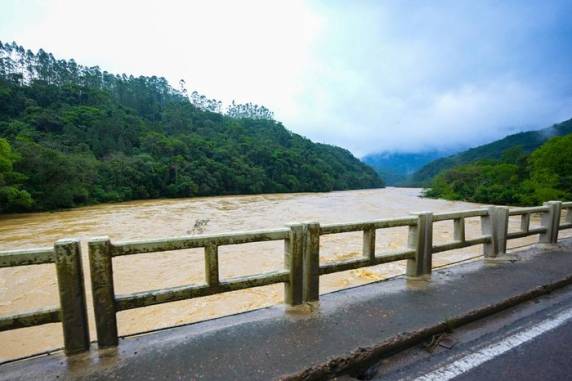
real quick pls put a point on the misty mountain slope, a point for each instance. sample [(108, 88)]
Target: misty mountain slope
[(396, 168), (528, 141), (72, 135)]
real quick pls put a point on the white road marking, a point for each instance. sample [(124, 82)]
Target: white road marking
[(491, 351)]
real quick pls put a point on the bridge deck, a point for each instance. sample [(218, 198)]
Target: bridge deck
[(271, 342)]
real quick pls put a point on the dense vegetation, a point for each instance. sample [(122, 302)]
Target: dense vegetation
[(72, 135), (396, 168), (527, 141), (516, 178)]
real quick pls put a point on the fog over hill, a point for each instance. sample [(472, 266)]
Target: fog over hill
[(396, 168)]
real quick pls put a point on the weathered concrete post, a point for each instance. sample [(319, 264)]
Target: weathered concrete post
[(312, 262), (459, 229), (525, 222), (487, 229), (368, 248), (211, 265), (551, 221), (293, 260), (72, 295), (495, 224), (501, 228), (103, 291), (569, 215), (421, 240)]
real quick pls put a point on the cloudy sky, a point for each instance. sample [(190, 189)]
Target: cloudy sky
[(366, 75)]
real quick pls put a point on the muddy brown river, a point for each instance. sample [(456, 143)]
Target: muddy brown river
[(27, 288)]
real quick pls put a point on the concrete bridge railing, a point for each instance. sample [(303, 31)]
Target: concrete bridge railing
[(301, 275)]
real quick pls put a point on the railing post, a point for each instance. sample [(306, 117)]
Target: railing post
[(293, 261), (501, 228), (368, 248), (459, 229), (103, 291), (495, 224), (311, 262), (211, 265), (525, 222), (72, 295), (487, 229), (551, 222), (569, 215), (421, 240)]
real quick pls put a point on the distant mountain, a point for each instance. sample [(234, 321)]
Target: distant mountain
[(396, 168), (527, 141)]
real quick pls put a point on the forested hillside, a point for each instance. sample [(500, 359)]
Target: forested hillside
[(527, 141), (72, 135), (515, 178)]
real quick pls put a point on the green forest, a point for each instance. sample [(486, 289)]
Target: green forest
[(516, 178), (72, 135), (527, 141)]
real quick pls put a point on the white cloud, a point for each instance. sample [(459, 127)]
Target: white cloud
[(367, 76)]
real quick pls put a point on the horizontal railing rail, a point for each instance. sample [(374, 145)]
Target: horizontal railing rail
[(461, 244), (460, 214), (25, 257), (72, 312), (366, 262), (300, 276), (361, 226), (198, 241)]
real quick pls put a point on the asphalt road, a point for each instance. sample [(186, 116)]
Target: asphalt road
[(547, 357), (529, 342)]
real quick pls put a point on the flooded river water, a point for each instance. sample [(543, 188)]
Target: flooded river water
[(28, 288)]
